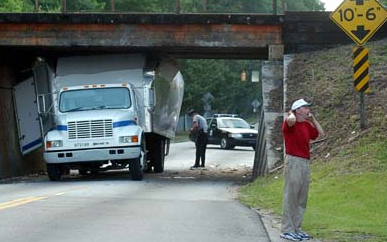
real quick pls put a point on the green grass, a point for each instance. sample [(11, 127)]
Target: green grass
[(180, 137), (340, 208), (347, 197)]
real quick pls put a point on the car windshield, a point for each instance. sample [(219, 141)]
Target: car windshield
[(233, 123), (96, 98)]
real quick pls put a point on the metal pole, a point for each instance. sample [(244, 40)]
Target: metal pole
[(362, 111), (283, 6), (275, 7), (204, 5), (113, 5), (36, 5), (64, 6), (177, 6)]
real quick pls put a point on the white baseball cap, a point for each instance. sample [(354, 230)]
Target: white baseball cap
[(300, 103)]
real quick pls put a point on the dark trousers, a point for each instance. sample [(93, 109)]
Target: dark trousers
[(201, 145)]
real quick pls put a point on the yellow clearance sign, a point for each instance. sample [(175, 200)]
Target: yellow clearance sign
[(360, 19)]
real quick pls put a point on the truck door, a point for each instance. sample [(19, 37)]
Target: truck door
[(27, 116)]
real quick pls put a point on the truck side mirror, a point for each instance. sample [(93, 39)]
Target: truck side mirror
[(41, 103), (151, 96)]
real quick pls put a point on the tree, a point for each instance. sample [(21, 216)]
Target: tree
[(73, 5), (304, 5), (222, 79), (186, 6), (16, 6), (145, 5)]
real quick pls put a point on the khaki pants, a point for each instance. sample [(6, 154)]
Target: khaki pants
[(297, 179)]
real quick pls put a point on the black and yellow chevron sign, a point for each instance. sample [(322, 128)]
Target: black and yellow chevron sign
[(361, 67)]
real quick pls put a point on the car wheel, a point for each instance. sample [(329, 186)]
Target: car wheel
[(226, 144)]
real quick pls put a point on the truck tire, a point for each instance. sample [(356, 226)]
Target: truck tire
[(53, 172), (143, 155), (135, 164), (159, 155), (135, 169), (82, 172)]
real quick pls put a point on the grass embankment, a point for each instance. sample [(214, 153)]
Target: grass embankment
[(348, 192), (345, 202)]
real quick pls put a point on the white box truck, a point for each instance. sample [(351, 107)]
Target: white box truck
[(105, 112)]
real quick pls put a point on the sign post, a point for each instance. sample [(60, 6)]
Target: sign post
[(361, 66), (360, 19)]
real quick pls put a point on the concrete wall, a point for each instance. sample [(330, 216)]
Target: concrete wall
[(272, 88), (12, 162)]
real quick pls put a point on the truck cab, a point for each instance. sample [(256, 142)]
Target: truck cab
[(103, 112), (96, 128)]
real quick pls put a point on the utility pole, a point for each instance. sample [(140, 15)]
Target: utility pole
[(36, 5), (275, 7), (177, 6), (113, 5), (64, 6), (204, 5)]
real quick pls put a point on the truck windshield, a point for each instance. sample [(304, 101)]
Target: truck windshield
[(94, 98)]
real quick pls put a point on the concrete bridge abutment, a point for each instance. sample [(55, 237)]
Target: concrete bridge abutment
[(272, 92), (12, 163)]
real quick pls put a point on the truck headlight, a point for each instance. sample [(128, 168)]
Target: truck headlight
[(129, 139), (54, 143), (235, 136)]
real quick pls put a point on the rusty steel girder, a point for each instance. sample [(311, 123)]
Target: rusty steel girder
[(202, 35), (144, 35)]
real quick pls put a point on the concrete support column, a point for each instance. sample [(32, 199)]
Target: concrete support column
[(8, 137), (12, 162), (272, 88)]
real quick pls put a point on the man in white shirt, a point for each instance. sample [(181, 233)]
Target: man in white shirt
[(199, 128)]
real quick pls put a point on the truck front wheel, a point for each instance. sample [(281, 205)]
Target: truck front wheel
[(53, 171), (135, 169)]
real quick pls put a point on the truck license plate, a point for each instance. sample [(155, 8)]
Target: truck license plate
[(79, 145)]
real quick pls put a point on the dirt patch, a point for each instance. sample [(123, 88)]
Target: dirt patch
[(239, 175)]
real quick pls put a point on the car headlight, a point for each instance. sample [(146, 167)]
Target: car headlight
[(54, 143), (236, 136), (129, 139)]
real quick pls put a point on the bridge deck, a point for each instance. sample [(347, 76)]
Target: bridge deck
[(241, 36)]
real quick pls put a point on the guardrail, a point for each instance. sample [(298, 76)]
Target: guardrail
[(166, 6)]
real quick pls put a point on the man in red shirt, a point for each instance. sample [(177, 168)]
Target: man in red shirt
[(298, 129)]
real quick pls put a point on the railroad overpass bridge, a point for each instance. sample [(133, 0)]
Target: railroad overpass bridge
[(26, 36)]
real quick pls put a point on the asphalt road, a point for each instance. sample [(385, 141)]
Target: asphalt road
[(177, 205)]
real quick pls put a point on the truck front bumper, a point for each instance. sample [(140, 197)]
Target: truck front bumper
[(90, 155)]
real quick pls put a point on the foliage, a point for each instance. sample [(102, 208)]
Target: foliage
[(222, 79), (143, 6), (15, 6), (186, 6), (304, 5)]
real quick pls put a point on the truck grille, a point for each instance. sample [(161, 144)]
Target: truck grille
[(90, 129)]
